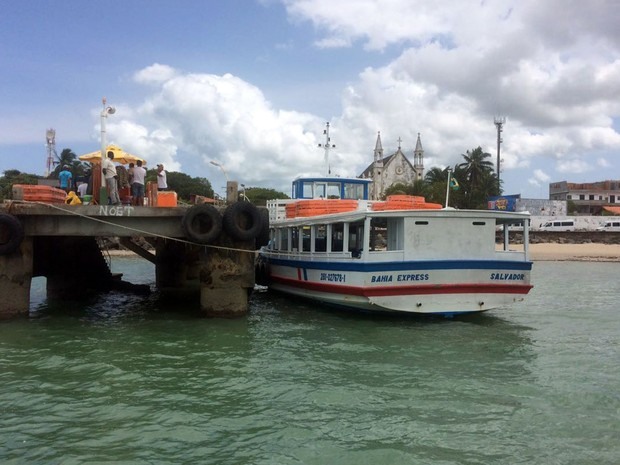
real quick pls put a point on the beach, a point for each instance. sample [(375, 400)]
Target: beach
[(575, 252)]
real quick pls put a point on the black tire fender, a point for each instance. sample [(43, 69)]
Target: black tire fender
[(202, 223), (263, 236), (11, 233), (242, 221)]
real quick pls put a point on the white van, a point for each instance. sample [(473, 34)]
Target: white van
[(558, 225), (610, 225)]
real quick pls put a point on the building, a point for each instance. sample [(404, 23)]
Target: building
[(588, 198), (395, 168)]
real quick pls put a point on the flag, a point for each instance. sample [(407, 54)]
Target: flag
[(454, 184)]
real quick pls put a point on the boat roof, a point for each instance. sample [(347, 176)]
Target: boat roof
[(500, 217)]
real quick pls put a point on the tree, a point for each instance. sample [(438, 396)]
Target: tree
[(183, 185), (69, 158), (14, 177), (478, 172), (260, 195)]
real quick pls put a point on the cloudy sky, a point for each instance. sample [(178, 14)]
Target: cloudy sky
[(250, 84)]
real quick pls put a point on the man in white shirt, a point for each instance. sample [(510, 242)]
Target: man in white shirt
[(109, 171), (82, 188), (137, 186), (162, 182)]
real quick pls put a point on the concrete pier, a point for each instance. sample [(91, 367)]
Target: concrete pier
[(59, 242)]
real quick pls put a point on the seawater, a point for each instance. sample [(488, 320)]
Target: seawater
[(126, 379)]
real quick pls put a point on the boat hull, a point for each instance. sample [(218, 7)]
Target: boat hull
[(424, 287)]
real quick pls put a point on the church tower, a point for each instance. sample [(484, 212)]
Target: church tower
[(377, 171), (418, 160)]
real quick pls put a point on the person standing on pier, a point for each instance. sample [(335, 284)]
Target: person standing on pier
[(162, 182), (65, 177), (109, 171), (137, 186)]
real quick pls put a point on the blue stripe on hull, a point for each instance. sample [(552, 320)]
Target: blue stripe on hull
[(408, 265)]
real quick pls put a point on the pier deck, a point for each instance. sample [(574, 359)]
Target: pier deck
[(59, 242)]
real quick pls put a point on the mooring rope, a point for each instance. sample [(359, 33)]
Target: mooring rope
[(144, 233)]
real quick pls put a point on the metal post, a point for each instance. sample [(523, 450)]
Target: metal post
[(103, 192), (499, 122), (448, 187)]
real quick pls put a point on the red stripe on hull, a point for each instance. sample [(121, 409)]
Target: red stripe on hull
[(425, 289)]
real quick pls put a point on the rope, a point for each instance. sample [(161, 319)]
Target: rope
[(144, 233)]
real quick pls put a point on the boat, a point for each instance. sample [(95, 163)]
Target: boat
[(330, 243)]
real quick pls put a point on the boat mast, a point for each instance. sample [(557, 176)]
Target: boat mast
[(327, 145)]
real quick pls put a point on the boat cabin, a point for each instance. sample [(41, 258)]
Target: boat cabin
[(330, 188)]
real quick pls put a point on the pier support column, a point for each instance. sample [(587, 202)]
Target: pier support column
[(15, 280), (227, 278)]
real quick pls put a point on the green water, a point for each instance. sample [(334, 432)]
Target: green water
[(126, 380)]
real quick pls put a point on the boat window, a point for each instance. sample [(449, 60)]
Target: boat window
[(356, 238), (479, 223), (353, 191), (421, 223), (378, 234), (337, 237), (294, 239), (305, 234), (320, 241), (333, 190), (319, 191), (283, 232), (307, 190)]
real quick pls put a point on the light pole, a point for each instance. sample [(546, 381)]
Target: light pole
[(219, 165), (499, 121), (103, 193)]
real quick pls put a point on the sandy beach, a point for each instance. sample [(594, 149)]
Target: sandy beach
[(575, 252)]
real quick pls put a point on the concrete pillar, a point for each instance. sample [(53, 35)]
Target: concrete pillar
[(15, 279), (227, 278)]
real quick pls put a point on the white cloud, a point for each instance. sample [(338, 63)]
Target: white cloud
[(155, 74), (573, 166), (539, 177)]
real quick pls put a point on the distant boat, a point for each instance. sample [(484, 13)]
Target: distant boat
[(330, 243)]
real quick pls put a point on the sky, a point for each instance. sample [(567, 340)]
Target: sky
[(250, 84)]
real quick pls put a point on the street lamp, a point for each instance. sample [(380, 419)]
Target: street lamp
[(104, 115), (219, 165)]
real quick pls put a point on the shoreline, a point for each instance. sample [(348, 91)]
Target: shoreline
[(591, 252)]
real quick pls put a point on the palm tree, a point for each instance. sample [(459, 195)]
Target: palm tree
[(436, 175), (69, 158), (476, 171)]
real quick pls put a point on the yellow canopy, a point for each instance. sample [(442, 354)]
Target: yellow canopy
[(120, 156)]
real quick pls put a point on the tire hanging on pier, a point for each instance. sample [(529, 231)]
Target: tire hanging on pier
[(263, 236), (202, 223), (11, 233), (242, 221)]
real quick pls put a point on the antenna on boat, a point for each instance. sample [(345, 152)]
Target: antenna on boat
[(327, 145)]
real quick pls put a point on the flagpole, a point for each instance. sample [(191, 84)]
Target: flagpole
[(448, 188)]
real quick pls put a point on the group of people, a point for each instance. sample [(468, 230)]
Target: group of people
[(136, 174), (67, 183), (136, 178)]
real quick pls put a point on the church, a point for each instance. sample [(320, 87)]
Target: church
[(395, 168)]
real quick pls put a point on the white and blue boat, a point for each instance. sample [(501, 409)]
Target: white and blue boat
[(332, 244)]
